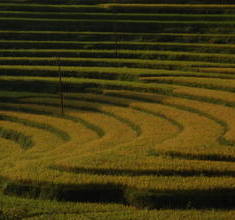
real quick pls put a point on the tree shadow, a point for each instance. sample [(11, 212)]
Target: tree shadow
[(146, 172), (217, 198), (209, 157)]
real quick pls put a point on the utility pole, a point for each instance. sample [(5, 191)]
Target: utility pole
[(61, 90), (115, 32), (116, 42)]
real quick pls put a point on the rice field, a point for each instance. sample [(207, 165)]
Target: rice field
[(147, 125)]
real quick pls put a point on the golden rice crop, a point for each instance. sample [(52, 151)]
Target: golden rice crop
[(194, 135), (220, 112), (150, 170), (8, 147), (171, 135), (120, 159), (217, 70), (41, 139), (203, 82), (208, 93)]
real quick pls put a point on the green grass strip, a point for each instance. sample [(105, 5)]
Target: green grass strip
[(111, 14), (97, 82), (120, 33), (118, 21), (190, 6), (101, 62), (63, 6), (51, 54), (91, 43), (131, 73)]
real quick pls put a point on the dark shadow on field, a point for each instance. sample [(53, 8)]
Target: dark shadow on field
[(42, 86), (94, 102), (205, 157), (146, 172), (217, 198), (105, 193), (23, 99), (94, 108), (46, 86)]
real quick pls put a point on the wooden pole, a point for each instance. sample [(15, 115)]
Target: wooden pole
[(115, 32), (116, 42), (61, 91)]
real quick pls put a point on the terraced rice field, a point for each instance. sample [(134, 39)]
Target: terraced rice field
[(148, 129)]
